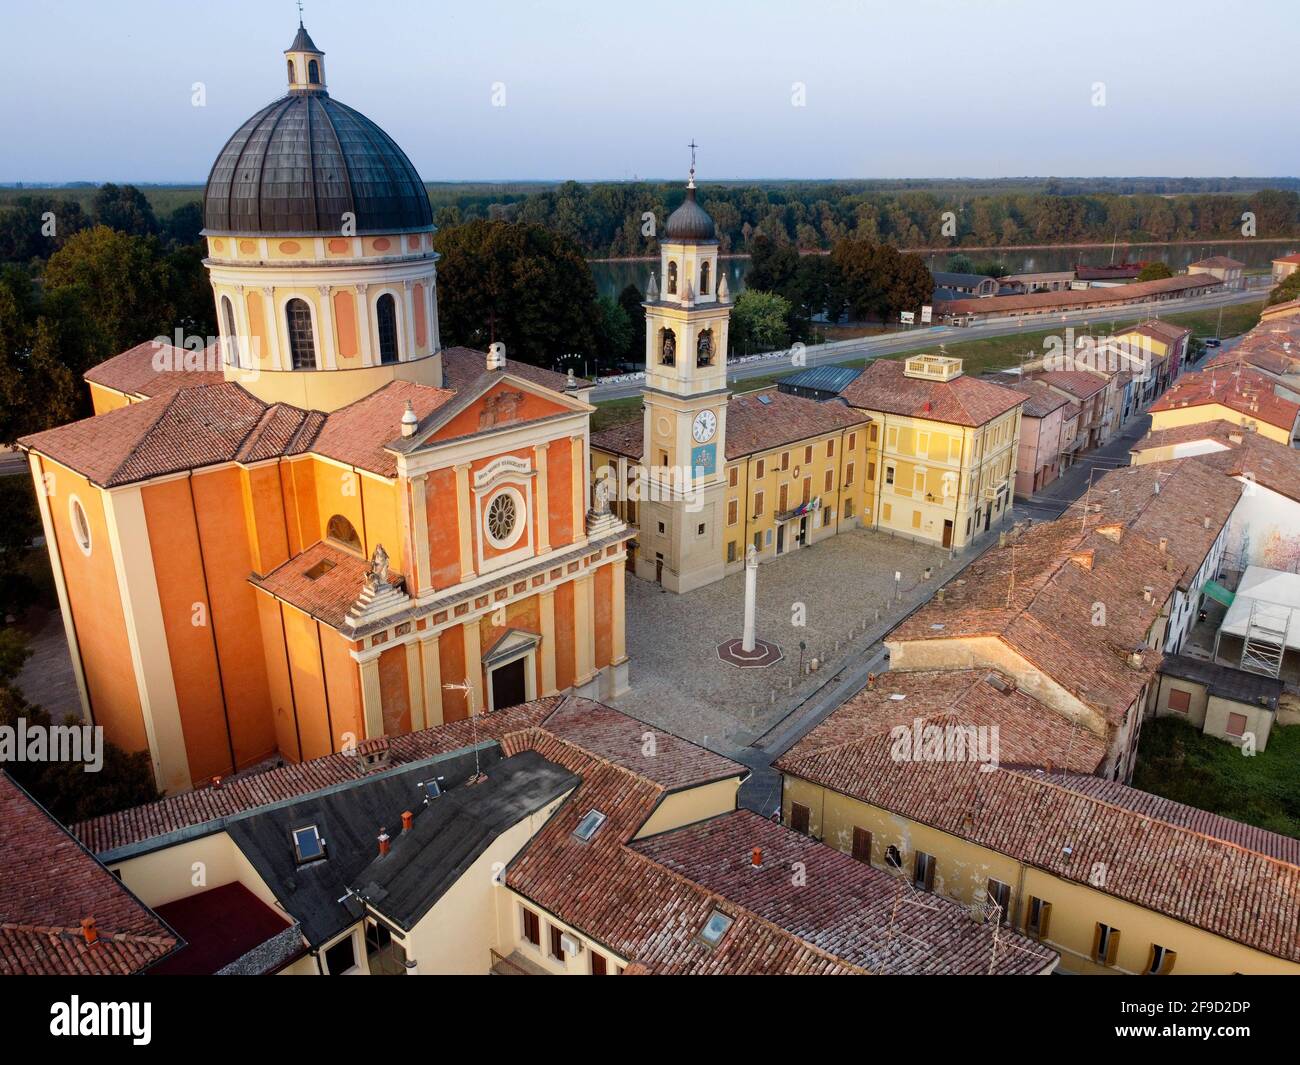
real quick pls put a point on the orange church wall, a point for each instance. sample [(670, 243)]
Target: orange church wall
[(103, 399), (522, 614), (502, 405), (421, 325), (565, 663), (188, 620), (218, 501), (96, 605), (298, 487), (264, 517), (345, 323), (490, 552), (277, 675), (308, 683), (395, 692), (604, 621), (451, 656), (383, 520), (559, 490), (444, 530), (347, 716)]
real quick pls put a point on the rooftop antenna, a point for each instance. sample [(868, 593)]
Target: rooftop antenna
[(468, 689)]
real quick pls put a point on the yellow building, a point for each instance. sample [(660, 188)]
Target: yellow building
[(945, 445), (1233, 393), (1114, 879), (462, 850), (337, 530), (702, 474)]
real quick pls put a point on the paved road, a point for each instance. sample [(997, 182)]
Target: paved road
[(917, 339)]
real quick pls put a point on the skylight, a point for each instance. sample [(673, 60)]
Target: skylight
[(588, 825), (715, 928), (431, 788), (307, 844), (765, 400)]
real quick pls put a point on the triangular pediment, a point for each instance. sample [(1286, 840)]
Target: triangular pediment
[(496, 401)]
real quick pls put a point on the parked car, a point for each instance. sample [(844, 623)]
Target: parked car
[(1211, 343)]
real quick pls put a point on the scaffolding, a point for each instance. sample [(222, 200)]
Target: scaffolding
[(1264, 644)]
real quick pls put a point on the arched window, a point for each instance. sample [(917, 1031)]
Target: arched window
[(291, 74), (704, 279), (667, 347), (386, 320), (232, 337), (302, 344), (672, 279), (313, 72), (342, 531), (704, 348), (80, 526)]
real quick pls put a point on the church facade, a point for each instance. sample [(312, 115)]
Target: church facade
[(325, 528)]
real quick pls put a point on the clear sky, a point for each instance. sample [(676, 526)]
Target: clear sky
[(615, 88)]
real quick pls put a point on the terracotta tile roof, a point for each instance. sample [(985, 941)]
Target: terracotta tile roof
[(1289, 258), (1179, 501), (965, 400), (1266, 462), (1040, 399), (41, 914), (1044, 301), (1216, 430), (1239, 388), (1249, 837), (1030, 733), (1280, 310), (1158, 330), (322, 581), (461, 367), (765, 419), (183, 430), (1218, 262), (869, 918), (1038, 595), (1242, 895), (357, 434), (625, 438), (756, 421), (154, 369), (1079, 385), (1272, 346)]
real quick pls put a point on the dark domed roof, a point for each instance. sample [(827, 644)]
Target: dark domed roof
[(298, 165), (690, 221)]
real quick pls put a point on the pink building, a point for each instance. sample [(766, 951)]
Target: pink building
[(1042, 423)]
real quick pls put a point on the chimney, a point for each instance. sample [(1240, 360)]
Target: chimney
[(1206, 522), (496, 356), (871, 681), (408, 820), (1135, 658), (384, 842), (756, 858), (89, 931), (1147, 591), (216, 783), (939, 594), (1164, 544), (409, 420)]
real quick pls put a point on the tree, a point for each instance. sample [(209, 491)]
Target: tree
[(124, 208), (185, 224), (759, 322), (613, 332), (1288, 289), (123, 283), (519, 283), (772, 266), (34, 227), (1155, 271), (630, 299), (878, 281)]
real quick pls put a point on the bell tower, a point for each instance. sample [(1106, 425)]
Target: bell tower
[(685, 402)]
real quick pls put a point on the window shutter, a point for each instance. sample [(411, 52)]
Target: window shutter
[(862, 845), (929, 872), (1096, 943), (799, 817), (1044, 919), (1112, 946)]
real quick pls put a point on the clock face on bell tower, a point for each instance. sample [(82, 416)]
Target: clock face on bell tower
[(704, 426)]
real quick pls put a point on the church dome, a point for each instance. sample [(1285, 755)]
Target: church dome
[(301, 163), (690, 222)]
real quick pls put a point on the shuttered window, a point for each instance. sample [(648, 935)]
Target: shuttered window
[(862, 845), (799, 817)]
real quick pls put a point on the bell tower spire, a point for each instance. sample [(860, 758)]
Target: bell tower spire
[(306, 62)]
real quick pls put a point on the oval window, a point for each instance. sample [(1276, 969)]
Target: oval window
[(503, 518), (80, 525)]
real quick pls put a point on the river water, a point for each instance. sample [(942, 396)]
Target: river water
[(612, 277)]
